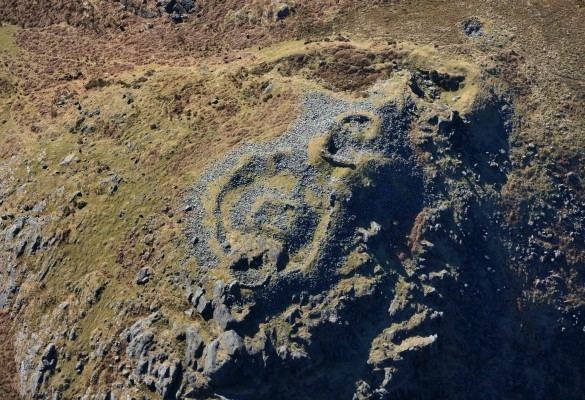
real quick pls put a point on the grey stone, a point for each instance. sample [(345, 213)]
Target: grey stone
[(210, 357), (140, 326), (19, 248), (143, 276), (204, 307), (79, 367), (35, 243), (72, 334), (140, 345), (75, 196), (282, 11), (80, 204), (222, 358), (231, 342), (193, 346), (194, 294), (218, 290), (49, 358), (70, 158), (222, 316), (15, 228), (169, 380), (472, 27)]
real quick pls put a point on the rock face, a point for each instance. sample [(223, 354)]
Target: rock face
[(20, 236), (324, 288)]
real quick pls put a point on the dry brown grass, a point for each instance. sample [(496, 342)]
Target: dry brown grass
[(8, 388), (91, 41), (341, 67)]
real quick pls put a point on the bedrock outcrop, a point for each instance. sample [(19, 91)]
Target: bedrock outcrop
[(363, 254)]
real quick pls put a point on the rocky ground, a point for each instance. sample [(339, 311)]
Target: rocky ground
[(308, 200)]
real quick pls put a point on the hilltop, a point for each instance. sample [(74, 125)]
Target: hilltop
[(304, 199)]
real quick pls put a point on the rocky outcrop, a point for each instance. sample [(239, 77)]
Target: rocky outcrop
[(341, 301), (333, 257), (360, 254)]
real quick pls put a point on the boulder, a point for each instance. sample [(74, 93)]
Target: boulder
[(218, 291), (68, 159), (15, 228), (140, 345), (35, 243), (282, 11), (231, 343), (49, 358), (194, 293), (210, 357), (143, 276), (169, 379), (222, 358), (140, 337), (177, 9), (193, 346), (140, 326), (204, 307), (222, 316), (472, 27)]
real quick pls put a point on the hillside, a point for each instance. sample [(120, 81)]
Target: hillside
[(333, 199)]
